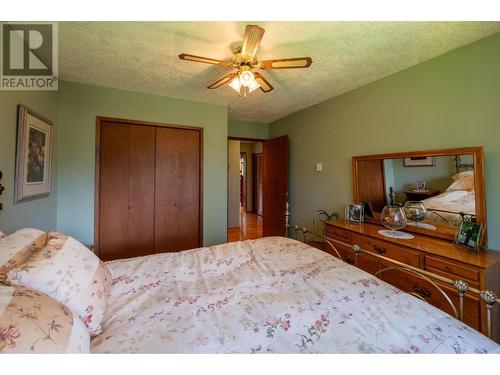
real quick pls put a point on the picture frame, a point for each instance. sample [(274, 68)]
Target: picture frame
[(354, 213), (367, 209), (470, 235), (420, 161), (33, 155), (420, 186)]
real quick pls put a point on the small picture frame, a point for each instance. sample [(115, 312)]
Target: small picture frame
[(470, 235), (354, 213), (367, 209), (420, 161), (421, 186)]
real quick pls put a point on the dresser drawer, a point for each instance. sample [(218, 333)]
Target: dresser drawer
[(368, 263), (365, 262), (452, 270), (387, 249), (337, 233), (344, 251), (411, 283)]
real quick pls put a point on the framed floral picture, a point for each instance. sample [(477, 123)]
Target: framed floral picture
[(34, 155)]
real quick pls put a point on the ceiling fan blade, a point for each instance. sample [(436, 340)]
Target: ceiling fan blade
[(251, 40), (226, 79), (201, 59), (293, 63), (264, 84)]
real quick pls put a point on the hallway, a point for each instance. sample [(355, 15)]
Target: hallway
[(250, 227)]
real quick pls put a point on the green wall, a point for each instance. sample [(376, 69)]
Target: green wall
[(79, 106), (245, 129), (452, 100), (40, 212)]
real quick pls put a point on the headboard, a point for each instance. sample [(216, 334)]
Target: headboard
[(462, 167)]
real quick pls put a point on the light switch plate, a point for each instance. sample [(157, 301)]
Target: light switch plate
[(319, 167)]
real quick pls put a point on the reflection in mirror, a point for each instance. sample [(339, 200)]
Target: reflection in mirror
[(443, 184)]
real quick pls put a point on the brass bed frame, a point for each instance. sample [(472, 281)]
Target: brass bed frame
[(488, 297)]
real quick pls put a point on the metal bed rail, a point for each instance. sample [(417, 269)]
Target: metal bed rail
[(487, 296)]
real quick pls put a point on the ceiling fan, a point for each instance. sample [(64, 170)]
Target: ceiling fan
[(244, 80)]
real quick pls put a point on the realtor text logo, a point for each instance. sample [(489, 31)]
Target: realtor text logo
[(29, 58)]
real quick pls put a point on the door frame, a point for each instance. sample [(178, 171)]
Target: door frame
[(97, 177), (231, 138), (255, 183), (243, 189)]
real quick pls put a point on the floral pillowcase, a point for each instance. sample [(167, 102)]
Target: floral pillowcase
[(70, 273), (18, 248), (31, 322)]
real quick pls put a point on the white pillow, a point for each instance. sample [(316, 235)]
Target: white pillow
[(70, 273), (463, 181)]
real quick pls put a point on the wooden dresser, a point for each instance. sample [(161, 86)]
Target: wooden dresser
[(441, 257)]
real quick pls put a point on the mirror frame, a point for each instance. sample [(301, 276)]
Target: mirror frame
[(442, 231)]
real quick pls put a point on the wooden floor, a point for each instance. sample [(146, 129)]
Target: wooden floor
[(250, 228)]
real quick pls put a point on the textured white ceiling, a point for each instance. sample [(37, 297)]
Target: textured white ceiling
[(142, 56)]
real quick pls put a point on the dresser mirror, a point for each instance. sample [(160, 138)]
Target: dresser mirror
[(442, 186)]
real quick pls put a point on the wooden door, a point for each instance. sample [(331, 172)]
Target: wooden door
[(372, 183), (126, 190), (243, 180), (177, 217), (257, 183), (275, 186)]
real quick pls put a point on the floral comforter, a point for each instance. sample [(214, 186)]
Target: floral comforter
[(271, 295)]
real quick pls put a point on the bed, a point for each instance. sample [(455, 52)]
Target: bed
[(458, 198), (449, 203), (271, 295)]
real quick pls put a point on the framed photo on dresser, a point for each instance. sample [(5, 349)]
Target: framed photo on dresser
[(470, 235), (34, 155), (354, 212)]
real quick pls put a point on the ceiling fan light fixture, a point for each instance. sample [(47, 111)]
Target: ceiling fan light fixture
[(243, 80), (246, 78), (244, 86)]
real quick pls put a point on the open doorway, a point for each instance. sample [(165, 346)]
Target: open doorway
[(244, 189)]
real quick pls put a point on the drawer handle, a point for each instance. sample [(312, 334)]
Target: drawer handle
[(349, 260), (379, 249), (421, 291), (448, 268)]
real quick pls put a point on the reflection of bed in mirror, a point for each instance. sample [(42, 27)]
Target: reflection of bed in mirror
[(449, 183), (459, 197), (444, 184), (457, 200)]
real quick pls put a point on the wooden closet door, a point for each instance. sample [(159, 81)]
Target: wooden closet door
[(177, 190), (372, 183), (126, 193)]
